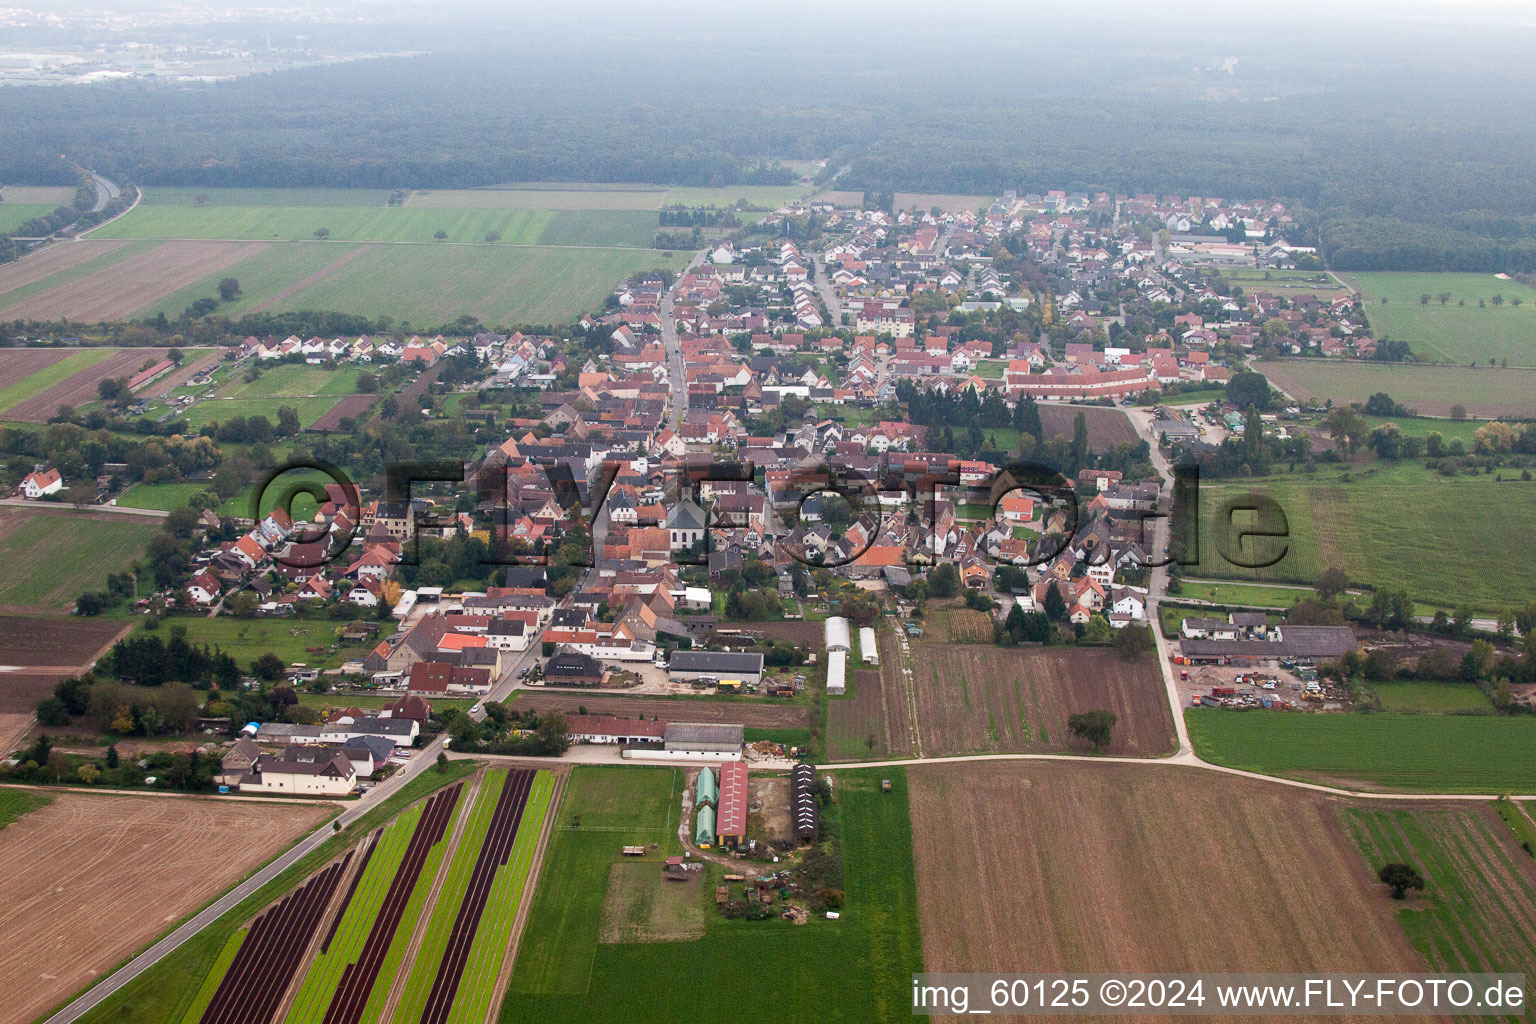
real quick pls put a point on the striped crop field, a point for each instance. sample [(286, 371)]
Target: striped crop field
[(459, 960), (256, 965), (355, 972)]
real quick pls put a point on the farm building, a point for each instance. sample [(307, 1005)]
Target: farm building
[(704, 827), (731, 824), (684, 665), (334, 777), (837, 672), (1312, 643), (703, 740), (835, 632), (610, 729), (572, 668), (869, 648), (804, 813), (705, 791)]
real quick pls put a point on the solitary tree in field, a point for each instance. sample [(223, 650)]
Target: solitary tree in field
[(493, 236), (322, 233), (1094, 726), (1424, 299), (229, 289), (1498, 299), (1331, 583), (1444, 297), (439, 234), (1516, 301), (1400, 877)]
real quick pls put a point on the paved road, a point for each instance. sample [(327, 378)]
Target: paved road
[(677, 377), (49, 506), (106, 191)]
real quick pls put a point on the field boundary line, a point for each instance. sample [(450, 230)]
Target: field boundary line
[(1185, 760), (525, 903), (424, 921)]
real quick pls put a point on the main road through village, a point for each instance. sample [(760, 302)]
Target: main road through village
[(1184, 756)]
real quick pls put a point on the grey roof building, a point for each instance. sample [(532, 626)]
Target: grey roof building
[(703, 737), (716, 665)]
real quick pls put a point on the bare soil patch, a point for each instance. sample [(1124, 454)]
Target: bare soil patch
[(642, 906), (352, 405), (983, 699), (17, 364), (1106, 427), (879, 707), (748, 713), (129, 285), (68, 642), (54, 258), (80, 388), (90, 879), (1154, 868)]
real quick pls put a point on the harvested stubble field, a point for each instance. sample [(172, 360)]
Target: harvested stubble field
[(753, 714), (80, 387), (982, 699), (956, 625), (1109, 867), (54, 259), (127, 286), (878, 707), (82, 892)]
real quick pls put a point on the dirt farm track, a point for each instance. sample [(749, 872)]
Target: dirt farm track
[(1109, 867), (91, 878)]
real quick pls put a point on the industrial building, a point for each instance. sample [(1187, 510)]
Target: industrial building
[(704, 740), (716, 665), (803, 811), (1305, 643), (731, 823)]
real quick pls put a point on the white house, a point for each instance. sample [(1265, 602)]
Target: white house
[(269, 774), (204, 588), (42, 482)]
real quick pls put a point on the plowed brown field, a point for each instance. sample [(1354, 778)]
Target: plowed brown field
[(684, 709), (19, 363), (1106, 427), (80, 388), (1105, 867), (51, 260), (129, 285), (90, 879), (975, 698)]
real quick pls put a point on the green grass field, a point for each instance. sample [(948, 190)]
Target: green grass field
[(1419, 753), (1453, 333), (498, 284), (16, 802), (1422, 427), (294, 380), (1242, 593), (245, 640), (167, 991), (53, 557), (14, 215), (163, 496), (1486, 391), (1478, 908), (36, 383), (387, 224), (855, 969), (1434, 698), (1443, 539), (222, 410)]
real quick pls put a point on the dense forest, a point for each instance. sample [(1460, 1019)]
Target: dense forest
[(1408, 141)]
